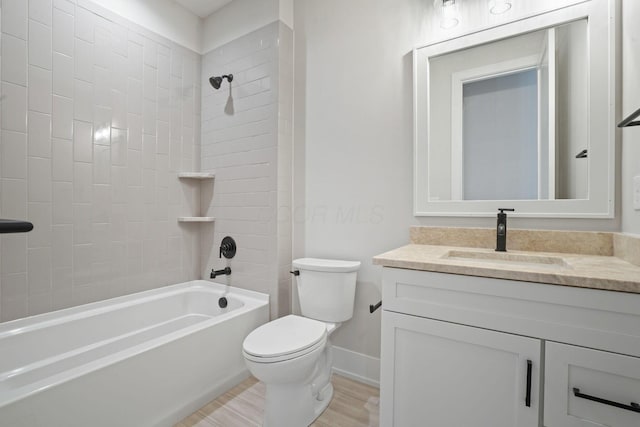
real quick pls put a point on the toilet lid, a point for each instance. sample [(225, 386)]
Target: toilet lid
[(287, 335)]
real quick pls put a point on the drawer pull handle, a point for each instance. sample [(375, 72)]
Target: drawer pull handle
[(634, 407), (527, 399)]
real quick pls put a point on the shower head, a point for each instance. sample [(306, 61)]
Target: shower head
[(217, 81)]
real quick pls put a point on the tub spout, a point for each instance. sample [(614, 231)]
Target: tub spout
[(224, 271)]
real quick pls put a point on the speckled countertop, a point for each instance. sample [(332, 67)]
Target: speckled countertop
[(608, 261)]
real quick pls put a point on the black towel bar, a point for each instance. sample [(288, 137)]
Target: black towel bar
[(14, 226)]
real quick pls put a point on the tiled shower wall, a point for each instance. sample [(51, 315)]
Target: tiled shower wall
[(97, 118), (246, 141)]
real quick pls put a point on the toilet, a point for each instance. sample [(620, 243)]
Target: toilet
[(292, 354)]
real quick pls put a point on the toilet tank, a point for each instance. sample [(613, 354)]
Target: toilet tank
[(326, 288)]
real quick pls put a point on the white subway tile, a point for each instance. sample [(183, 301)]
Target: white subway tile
[(135, 60), (150, 53), (82, 141), (118, 185), (82, 182), (101, 86), (118, 72), (101, 165), (14, 18), (82, 258), (119, 109), (84, 60), (13, 285), (39, 45), (134, 96), (85, 24), (39, 267), (163, 138), (40, 10), (164, 71), (149, 117), (83, 101), (101, 207), (102, 48), (14, 199), (62, 277), (101, 125), (62, 119), (14, 65), (149, 152), (134, 167), (14, 107), (14, 155), (150, 83), (39, 134), (62, 203), (65, 6), (62, 32), (40, 215), (39, 179), (62, 160), (134, 122), (62, 75)]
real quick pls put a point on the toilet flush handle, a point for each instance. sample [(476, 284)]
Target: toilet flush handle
[(295, 272)]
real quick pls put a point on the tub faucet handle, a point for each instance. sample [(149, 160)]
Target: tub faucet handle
[(228, 247)]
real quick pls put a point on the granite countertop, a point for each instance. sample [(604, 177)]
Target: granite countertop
[(607, 261)]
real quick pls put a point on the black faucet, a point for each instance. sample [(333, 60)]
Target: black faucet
[(224, 271), (501, 231)]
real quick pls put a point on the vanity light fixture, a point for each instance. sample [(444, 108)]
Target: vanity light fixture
[(631, 120), (449, 13), (499, 6)]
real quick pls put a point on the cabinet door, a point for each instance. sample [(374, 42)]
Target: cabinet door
[(589, 388), (440, 374)]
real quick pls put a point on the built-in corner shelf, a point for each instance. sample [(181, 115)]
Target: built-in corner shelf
[(196, 219), (202, 177), (196, 175)]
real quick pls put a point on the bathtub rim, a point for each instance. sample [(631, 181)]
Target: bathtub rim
[(252, 301), (50, 318)]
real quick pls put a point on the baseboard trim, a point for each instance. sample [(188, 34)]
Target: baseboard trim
[(357, 366)]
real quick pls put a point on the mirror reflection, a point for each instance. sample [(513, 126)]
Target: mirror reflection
[(511, 121)]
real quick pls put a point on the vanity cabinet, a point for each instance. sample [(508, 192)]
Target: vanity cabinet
[(444, 374), (456, 350)]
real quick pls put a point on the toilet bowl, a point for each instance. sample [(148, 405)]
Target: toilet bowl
[(292, 355)]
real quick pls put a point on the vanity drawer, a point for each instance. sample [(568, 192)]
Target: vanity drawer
[(574, 376)]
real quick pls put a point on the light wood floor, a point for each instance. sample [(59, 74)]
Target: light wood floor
[(354, 405)]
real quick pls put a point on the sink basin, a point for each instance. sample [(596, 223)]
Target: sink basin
[(507, 258)]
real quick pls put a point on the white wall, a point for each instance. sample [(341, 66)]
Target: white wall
[(236, 19), (630, 103), (164, 17), (353, 138)]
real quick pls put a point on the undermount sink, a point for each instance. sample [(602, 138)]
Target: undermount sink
[(507, 258)]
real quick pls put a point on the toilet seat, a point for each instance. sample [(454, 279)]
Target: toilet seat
[(284, 339)]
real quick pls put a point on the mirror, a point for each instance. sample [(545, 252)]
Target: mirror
[(512, 116)]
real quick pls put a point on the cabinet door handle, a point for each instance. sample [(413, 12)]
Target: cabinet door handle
[(634, 407), (527, 399)]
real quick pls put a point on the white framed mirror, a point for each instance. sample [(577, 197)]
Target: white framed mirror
[(521, 115)]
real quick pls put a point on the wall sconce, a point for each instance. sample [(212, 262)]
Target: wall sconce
[(499, 6), (448, 13)]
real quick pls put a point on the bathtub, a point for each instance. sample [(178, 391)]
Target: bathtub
[(146, 359)]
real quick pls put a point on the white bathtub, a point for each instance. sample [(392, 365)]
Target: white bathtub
[(147, 359)]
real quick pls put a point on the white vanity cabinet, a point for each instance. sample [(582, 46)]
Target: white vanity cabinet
[(442, 374), (456, 351)]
